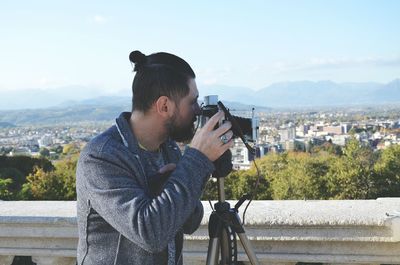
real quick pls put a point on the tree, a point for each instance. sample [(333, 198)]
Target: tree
[(71, 148), (387, 170), (16, 177), (43, 185), (66, 171), (5, 194), (58, 149), (58, 184), (25, 164), (17, 168), (297, 175), (351, 175), (44, 152), (327, 147)]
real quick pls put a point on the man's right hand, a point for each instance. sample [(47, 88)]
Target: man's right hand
[(208, 141)]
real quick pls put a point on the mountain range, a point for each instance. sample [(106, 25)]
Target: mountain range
[(72, 104), (312, 94), (284, 94)]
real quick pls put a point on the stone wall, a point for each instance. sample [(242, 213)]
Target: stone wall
[(281, 232)]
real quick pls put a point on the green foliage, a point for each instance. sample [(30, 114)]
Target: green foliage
[(387, 171), (352, 174), (238, 183), (355, 172), (25, 164), (355, 130), (17, 168), (58, 184), (4, 188), (296, 175), (42, 185), (58, 149), (44, 152), (16, 177), (27, 178), (71, 149), (327, 147), (66, 170)]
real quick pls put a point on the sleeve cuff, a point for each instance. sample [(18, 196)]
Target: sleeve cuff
[(198, 158)]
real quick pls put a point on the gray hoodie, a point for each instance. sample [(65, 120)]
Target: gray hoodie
[(121, 220)]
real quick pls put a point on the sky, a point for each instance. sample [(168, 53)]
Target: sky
[(51, 44)]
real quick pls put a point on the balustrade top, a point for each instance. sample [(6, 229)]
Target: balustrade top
[(283, 212)]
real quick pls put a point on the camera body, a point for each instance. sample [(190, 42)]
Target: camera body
[(243, 128)]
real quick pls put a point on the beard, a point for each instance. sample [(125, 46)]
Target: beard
[(181, 133)]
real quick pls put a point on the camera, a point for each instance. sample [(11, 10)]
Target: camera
[(244, 128)]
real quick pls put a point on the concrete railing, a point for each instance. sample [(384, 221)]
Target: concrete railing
[(281, 232)]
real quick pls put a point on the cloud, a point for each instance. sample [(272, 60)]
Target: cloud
[(99, 19), (334, 63), (209, 76), (346, 62), (44, 81)]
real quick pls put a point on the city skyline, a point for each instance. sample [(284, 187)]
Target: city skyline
[(48, 45)]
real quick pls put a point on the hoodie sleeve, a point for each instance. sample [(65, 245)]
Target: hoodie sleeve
[(194, 220), (150, 222)]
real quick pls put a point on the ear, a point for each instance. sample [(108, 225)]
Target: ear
[(164, 106)]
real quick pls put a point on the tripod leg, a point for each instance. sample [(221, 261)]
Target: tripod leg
[(249, 250), (213, 251), (228, 246), (225, 251), (214, 230)]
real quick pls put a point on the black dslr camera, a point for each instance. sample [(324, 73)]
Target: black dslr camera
[(243, 128)]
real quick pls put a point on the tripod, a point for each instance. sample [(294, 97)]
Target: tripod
[(223, 226)]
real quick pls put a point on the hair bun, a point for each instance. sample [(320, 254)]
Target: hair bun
[(137, 57)]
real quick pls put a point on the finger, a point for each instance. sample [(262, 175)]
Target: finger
[(229, 134), (229, 144), (223, 128), (210, 124), (167, 168), (224, 138), (225, 147)]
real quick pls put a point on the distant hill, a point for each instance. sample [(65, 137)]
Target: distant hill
[(61, 115), (327, 93), (98, 109), (6, 125), (309, 94), (389, 92), (36, 98)]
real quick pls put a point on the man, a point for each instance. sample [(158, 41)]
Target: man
[(137, 194)]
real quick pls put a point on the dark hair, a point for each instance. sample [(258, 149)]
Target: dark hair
[(158, 74)]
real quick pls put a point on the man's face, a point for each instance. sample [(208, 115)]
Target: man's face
[(181, 124)]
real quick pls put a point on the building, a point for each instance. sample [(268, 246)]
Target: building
[(333, 129), (287, 134), (45, 140), (241, 157), (340, 139)]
